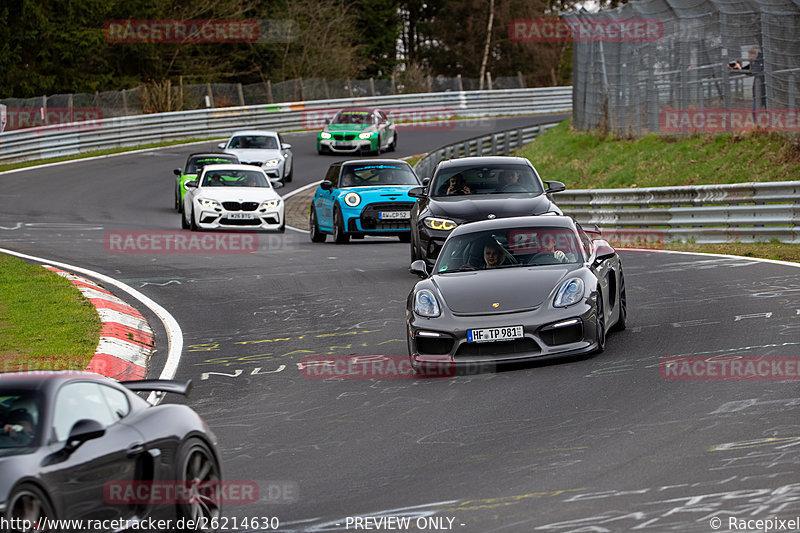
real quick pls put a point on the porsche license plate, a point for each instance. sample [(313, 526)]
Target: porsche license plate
[(241, 216), (394, 215), (505, 333)]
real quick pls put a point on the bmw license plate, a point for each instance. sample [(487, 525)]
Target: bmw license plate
[(394, 215), (241, 216), (343, 145), (505, 333)]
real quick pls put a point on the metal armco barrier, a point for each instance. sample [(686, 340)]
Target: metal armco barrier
[(75, 138), (743, 212)]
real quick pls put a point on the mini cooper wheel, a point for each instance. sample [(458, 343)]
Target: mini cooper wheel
[(340, 236), (314, 232)]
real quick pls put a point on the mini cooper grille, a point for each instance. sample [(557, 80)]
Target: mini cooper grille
[(244, 206), (370, 213), (344, 136), (520, 346)]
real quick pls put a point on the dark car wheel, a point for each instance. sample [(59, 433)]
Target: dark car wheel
[(340, 236), (393, 146), (199, 471), (405, 237), (377, 147), (601, 329), (313, 225), (30, 504), (184, 222), (192, 223), (177, 200), (288, 177), (622, 323)]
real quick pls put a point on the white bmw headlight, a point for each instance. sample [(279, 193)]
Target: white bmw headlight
[(425, 304), (270, 204), (211, 204), (325, 135), (352, 199), (272, 163), (365, 135), (570, 293)]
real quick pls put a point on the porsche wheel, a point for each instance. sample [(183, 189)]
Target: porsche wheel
[(622, 322), (340, 236), (28, 504), (601, 329), (199, 470), (313, 225)]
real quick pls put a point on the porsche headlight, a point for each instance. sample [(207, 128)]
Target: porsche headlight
[(210, 204), (272, 163), (442, 224), (425, 304), (366, 135), (324, 135), (352, 199), (270, 204), (570, 293)]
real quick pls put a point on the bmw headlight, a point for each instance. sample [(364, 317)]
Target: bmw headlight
[(210, 204), (570, 293), (442, 224), (366, 135), (272, 163), (425, 304), (352, 199), (270, 204), (324, 135)]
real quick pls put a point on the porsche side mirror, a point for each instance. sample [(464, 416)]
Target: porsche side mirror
[(554, 186), (326, 185), (417, 192), (191, 184), (177, 172), (83, 430), (419, 268), (602, 250)]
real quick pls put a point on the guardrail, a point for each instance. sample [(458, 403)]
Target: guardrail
[(744, 212), (74, 138)]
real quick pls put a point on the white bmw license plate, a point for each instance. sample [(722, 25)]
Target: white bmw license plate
[(394, 215), (241, 216), (505, 333)]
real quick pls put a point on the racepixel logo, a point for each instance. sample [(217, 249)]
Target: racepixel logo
[(200, 31), (54, 118), (730, 368), (587, 30), (722, 120)]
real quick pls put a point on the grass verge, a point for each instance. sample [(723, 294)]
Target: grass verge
[(45, 322), (591, 160)]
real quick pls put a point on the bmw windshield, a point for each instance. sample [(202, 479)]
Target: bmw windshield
[(496, 179)]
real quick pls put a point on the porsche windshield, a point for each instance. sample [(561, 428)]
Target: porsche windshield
[(495, 179), (352, 117), (379, 174), (19, 418), (510, 248), (234, 178)]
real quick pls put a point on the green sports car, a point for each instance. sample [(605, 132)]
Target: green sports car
[(357, 130), (193, 168)]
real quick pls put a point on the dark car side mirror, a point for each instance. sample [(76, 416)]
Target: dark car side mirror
[(417, 192), (83, 430), (419, 268), (326, 185), (554, 186), (327, 121), (191, 184), (177, 172), (602, 250), (425, 182)]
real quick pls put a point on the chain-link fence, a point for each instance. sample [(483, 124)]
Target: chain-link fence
[(707, 65), (168, 96)]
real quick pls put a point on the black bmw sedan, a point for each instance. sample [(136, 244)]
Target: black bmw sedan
[(471, 189)]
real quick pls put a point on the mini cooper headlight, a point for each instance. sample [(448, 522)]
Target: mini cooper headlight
[(570, 293), (324, 135), (270, 204), (365, 135), (272, 163), (211, 204), (352, 199), (442, 224), (425, 304)]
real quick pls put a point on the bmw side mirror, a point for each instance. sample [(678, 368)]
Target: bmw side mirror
[(192, 184), (327, 121), (177, 172), (417, 192), (276, 183), (286, 146), (425, 182), (83, 430), (221, 146), (326, 185), (419, 268), (554, 186)]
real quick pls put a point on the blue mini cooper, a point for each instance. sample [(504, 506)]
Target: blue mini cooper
[(363, 197)]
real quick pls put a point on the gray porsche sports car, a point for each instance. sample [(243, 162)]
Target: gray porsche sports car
[(515, 289)]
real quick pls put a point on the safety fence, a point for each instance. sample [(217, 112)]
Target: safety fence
[(647, 217), (108, 133)]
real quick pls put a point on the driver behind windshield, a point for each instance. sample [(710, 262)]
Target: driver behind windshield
[(19, 427), (493, 254)]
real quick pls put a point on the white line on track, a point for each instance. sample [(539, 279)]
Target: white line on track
[(173, 329), (297, 191)]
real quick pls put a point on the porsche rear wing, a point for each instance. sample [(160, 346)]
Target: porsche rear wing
[(160, 385)]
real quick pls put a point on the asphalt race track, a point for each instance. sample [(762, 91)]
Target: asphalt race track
[(599, 444)]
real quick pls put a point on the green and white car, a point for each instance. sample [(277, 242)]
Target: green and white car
[(357, 130), (193, 168)]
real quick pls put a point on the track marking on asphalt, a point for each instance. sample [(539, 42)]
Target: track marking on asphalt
[(298, 191), (173, 329)]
